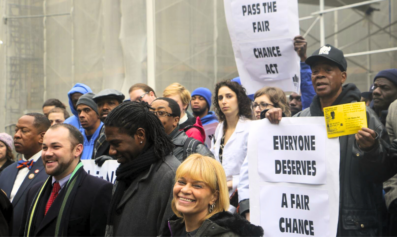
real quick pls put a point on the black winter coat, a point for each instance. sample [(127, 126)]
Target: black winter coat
[(221, 224)]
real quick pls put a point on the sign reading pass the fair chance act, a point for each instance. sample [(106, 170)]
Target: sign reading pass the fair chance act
[(262, 35), (294, 177)]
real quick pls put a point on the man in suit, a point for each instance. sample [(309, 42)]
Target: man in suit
[(70, 202), (18, 178)]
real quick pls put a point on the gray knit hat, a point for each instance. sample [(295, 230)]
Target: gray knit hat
[(7, 139), (87, 99), (109, 93)]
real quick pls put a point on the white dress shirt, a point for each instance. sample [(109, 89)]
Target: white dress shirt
[(22, 175)]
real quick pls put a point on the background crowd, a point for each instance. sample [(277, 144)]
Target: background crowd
[(169, 181)]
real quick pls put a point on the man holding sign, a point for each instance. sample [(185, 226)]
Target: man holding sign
[(364, 164)]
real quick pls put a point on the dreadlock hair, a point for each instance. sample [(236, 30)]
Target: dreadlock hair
[(129, 116)]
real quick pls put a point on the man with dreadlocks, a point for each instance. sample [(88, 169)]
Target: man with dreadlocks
[(142, 195)]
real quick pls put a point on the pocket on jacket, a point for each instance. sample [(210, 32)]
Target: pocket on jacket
[(360, 222)]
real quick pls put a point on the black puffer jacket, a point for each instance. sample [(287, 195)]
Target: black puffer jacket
[(179, 138), (221, 224), (361, 173)]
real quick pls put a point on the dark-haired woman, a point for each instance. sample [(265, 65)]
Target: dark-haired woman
[(141, 201), (6, 156), (233, 109)]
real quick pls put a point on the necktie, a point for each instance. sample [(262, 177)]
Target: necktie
[(54, 195), (22, 164)]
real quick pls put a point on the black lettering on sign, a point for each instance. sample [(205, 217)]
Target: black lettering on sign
[(271, 69), (253, 9), (267, 52), (298, 226), (295, 167), (284, 201), (260, 26), (295, 143), (269, 7)]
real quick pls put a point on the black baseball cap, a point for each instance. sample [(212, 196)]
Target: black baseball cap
[(331, 53)]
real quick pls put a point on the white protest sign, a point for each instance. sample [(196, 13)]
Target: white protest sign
[(209, 132), (262, 35), (286, 202), (106, 172)]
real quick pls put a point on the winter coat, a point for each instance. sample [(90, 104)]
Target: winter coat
[(145, 205), (307, 90), (223, 224), (391, 121), (74, 120), (209, 118), (193, 128), (361, 172), (179, 139)]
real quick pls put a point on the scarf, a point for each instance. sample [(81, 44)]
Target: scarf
[(350, 93), (126, 174), (62, 221)]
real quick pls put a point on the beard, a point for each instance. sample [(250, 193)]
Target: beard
[(199, 112)]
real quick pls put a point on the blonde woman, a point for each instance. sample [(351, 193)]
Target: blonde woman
[(200, 199)]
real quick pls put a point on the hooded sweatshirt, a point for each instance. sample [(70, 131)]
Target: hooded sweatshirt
[(74, 120), (209, 118)]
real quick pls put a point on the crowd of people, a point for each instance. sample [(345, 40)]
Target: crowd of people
[(169, 181)]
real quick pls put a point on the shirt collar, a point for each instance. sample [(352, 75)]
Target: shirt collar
[(61, 182), (35, 157)]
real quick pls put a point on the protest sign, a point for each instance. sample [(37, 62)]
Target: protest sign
[(294, 177), (106, 172), (262, 35), (209, 132), (345, 119)]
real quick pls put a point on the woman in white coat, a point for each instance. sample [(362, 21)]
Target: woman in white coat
[(233, 109)]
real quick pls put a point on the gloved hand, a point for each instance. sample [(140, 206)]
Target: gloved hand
[(100, 160)]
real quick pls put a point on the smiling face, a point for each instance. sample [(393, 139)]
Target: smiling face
[(106, 105), (59, 156), (228, 102), (27, 138), (327, 79), (385, 92), (169, 122), (193, 197), (122, 146)]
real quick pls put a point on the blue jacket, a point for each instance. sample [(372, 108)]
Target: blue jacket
[(89, 145), (209, 118), (74, 119), (307, 90)]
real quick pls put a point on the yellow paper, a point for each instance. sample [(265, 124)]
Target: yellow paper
[(345, 119)]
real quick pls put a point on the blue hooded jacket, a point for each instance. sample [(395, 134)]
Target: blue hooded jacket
[(74, 120), (209, 118)]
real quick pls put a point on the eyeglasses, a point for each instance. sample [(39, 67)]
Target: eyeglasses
[(162, 114), (141, 97), (297, 98), (262, 105)]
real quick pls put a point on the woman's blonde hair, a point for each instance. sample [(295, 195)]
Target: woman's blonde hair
[(178, 89), (277, 97), (209, 171)]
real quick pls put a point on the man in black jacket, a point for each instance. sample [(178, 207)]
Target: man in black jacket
[(168, 111), (70, 202), (106, 100), (364, 163)]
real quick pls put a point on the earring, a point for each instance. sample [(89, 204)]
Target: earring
[(211, 208), (141, 142)]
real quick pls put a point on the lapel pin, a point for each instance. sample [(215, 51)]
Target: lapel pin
[(31, 176), (36, 171)]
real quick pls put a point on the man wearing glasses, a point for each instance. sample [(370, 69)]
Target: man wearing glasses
[(142, 92)]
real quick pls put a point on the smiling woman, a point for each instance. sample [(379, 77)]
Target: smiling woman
[(200, 201)]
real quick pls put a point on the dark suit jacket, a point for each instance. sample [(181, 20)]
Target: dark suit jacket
[(5, 215), (88, 214), (7, 179)]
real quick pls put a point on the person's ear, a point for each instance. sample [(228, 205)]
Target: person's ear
[(175, 122), (78, 149), (41, 137), (215, 197), (151, 93), (140, 135), (344, 76)]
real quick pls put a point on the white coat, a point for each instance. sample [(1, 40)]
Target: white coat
[(234, 151)]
